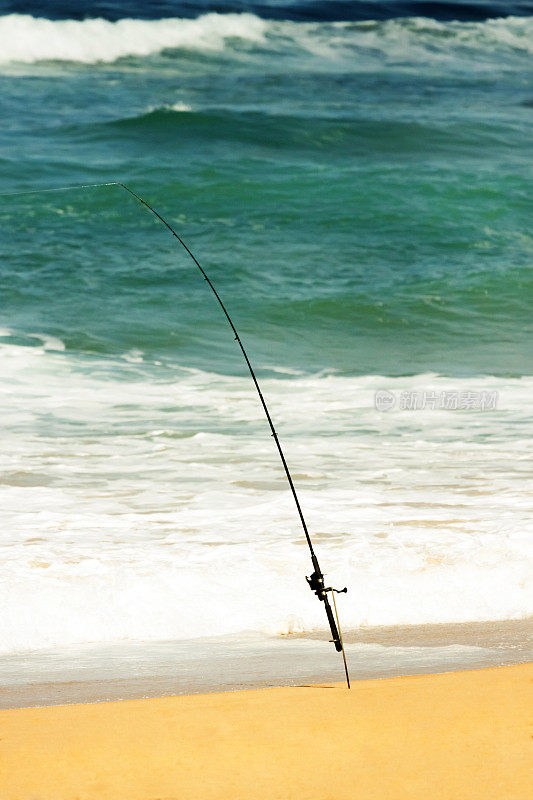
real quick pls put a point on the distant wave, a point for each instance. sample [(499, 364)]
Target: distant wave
[(345, 136), (27, 39)]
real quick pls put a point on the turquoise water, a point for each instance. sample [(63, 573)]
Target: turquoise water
[(359, 191)]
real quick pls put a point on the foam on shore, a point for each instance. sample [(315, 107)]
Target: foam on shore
[(124, 522)]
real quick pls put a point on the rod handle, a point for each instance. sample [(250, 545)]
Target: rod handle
[(333, 625)]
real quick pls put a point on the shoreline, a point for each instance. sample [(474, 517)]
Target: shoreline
[(132, 670), (454, 734)]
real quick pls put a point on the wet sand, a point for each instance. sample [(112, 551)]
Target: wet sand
[(129, 670), (508, 634)]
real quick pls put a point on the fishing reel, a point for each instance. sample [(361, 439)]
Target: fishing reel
[(316, 584)]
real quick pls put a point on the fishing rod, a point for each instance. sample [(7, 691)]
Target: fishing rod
[(316, 579)]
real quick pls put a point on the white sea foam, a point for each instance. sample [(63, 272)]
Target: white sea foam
[(48, 342), (134, 506), (184, 107), (26, 39)]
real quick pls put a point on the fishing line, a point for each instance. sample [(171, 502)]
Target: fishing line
[(316, 580), (340, 636), (60, 188)]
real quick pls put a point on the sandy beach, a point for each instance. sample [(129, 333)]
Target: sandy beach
[(452, 735), (266, 281)]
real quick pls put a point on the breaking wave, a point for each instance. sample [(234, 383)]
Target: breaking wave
[(90, 41), (29, 40)]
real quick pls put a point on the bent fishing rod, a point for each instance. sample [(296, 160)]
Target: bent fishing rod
[(316, 579)]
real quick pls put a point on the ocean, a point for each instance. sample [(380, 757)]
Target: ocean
[(355, 178)]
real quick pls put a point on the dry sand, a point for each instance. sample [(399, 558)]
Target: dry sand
[(460, 736)]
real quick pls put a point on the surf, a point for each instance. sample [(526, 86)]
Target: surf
[(412, 40)]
